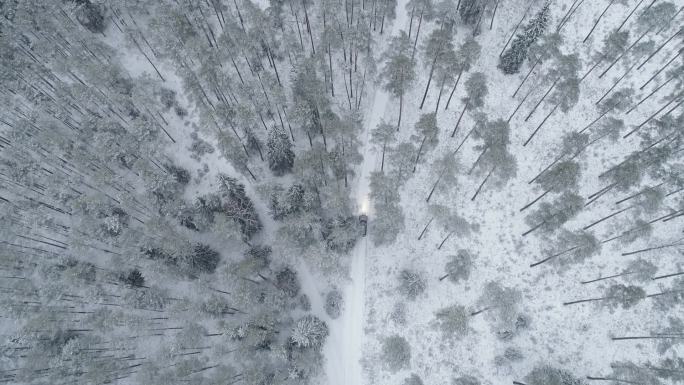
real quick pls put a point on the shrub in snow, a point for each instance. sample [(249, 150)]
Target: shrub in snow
[(414, 379), (216, 306), (465, 380), (341, 233), (453, 321), (309, 332), (134, 278), (114, 222), (304, 302), (411, 284), (333, 304), (150, 299), (396, 353), (199, 147), (398, 314), (503, 362), (459, 266), (179, 174), (547, 375), (286, 280), (203, 259)]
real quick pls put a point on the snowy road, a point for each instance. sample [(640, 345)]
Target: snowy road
[(344, 347)]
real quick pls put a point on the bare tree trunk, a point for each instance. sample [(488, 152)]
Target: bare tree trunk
[(491, 23), (660, 47), (519, 105), (542, 99), (420, 149), (604, 278), (662, 68), (415, 42), (465, 107), (479, 188), (535, 200), (606, 218), (444, 240), (540, 125), (425, 229), (598, 20), (427, 87), (453, 89), (526, 76), (572, 13), (628, 16), (553, 256)]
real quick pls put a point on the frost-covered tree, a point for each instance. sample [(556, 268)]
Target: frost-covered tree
[(334, 302), (427, 132), (309, 332), (548, 375), (458, 267), (411, 284), (238, 206), (396, 353), (453, 321), (399, 70), (413, 379), (280, 154), (513, 58)]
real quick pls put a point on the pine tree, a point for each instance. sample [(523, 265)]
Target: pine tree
[(280, 154), (399, 70), (512, 59), (238, 206), (309, 332)]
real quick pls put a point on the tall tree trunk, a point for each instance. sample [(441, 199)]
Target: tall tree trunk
[(443, 241), (465, 107), (628, 16), (415, 42), (420, 149), (425, 229), (491, 23), (535, 200), (598, 20), (542, 99), (427, 86), (519, 105), (439, 95), (608, 277), (411, 21), (479, 188), (526, 76), (540, 125), (453, 89)]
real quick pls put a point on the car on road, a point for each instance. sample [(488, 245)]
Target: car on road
[(363, 220)]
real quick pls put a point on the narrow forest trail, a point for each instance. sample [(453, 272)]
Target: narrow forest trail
[(344, 348)]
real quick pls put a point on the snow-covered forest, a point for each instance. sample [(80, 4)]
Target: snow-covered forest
[(342, 192)]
